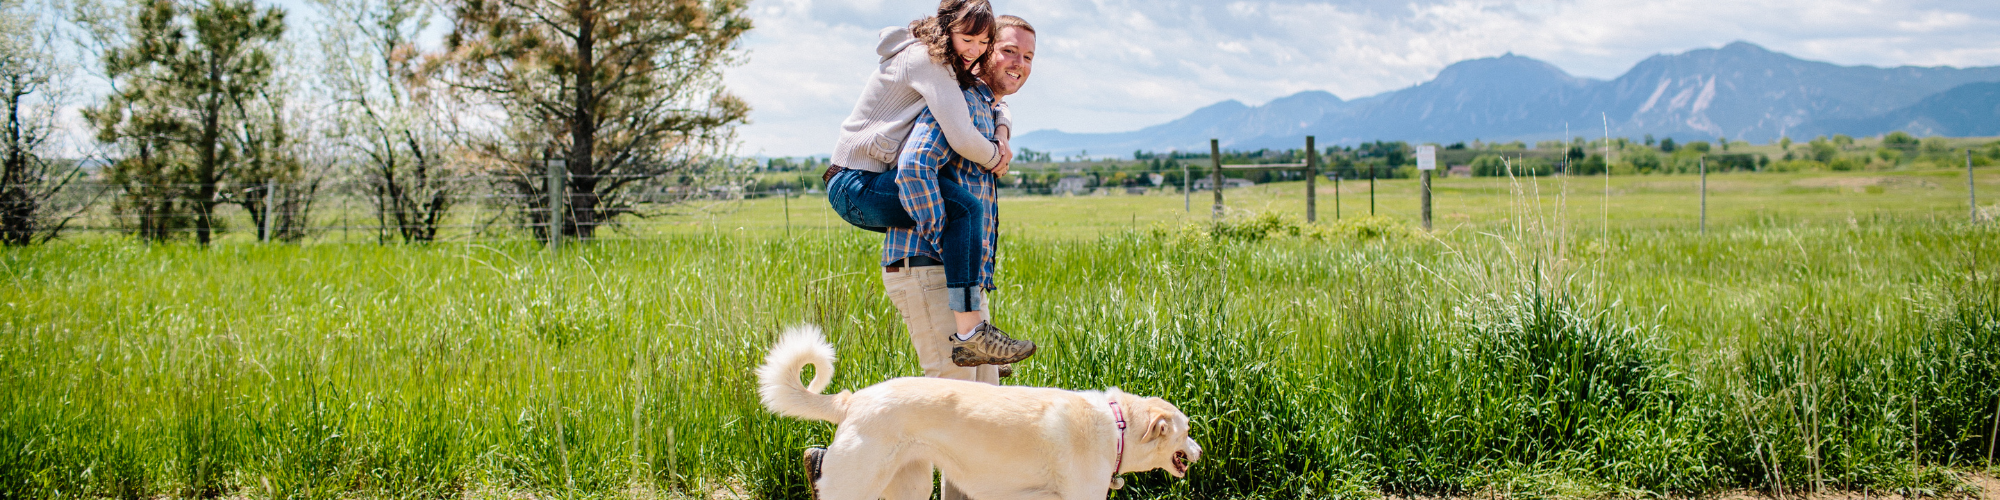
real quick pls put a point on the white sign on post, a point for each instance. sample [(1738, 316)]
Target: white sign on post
[(1427, 157)]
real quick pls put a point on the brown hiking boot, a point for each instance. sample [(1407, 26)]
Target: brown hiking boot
[(989, 346), (1007, 370), (813, 456)]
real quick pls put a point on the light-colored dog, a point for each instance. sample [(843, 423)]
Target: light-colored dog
[(993, 442)]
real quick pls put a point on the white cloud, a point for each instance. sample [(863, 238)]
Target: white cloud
[(1113, 65)]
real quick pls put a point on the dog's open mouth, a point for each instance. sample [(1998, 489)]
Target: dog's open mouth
[(1180, 463)]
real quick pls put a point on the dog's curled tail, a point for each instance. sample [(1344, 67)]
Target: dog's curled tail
[(779, 377)]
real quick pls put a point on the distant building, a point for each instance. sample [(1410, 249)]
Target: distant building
[(1227, 182), (1459, 171), (1135, 190), (1157, 179), (1071, 185)]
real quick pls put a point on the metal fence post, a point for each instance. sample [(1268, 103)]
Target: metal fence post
[(1971, 197), (1215, 161), (1187, 195), (555, 219), (1703, 166), (1312, 170)]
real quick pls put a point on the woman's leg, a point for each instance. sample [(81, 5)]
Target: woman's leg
[(858, 198), (964, 251)]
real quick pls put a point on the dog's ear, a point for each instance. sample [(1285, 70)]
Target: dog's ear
[(1161, 424)]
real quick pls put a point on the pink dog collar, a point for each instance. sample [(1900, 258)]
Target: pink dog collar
[(1119, 415)]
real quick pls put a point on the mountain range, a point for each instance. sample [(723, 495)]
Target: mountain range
[(1741, 91)]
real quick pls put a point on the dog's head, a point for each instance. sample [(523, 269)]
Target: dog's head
[(1162, 441)]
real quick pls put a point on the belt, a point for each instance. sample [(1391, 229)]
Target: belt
[(831, 170), (917, 261)]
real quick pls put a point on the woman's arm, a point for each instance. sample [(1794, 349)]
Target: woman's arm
[(942, 95)]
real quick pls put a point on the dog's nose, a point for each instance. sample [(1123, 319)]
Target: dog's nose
[(1194, 450)]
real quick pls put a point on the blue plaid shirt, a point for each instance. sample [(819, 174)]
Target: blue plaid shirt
[(926, 158)]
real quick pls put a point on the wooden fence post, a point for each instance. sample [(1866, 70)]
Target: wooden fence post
[(556, 168), (1371, 190), (1427, 197), (1703, 166), (270, 191), (1215, 161), (1312, 171), (1971, 197)]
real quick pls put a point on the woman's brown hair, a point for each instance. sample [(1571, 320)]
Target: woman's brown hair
[(955, 16)]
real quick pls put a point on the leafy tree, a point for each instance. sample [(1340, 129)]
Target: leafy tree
[(1785, 144), (1499, 166), (1592, 165), (388, 114), (183, 77), (1821, 150), (32, 88), (1667, 145), (1900, 140), (626, 90)]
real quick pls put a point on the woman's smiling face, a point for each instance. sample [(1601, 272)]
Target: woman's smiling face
[(969, 46)]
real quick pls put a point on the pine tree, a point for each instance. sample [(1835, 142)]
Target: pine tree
[(182, 74), (627, 91)]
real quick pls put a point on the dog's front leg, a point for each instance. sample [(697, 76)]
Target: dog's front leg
[(911, 482)]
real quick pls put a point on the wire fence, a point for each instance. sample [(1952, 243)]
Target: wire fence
[(489, 208)]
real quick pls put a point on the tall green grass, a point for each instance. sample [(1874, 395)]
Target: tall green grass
[(1534, 360)]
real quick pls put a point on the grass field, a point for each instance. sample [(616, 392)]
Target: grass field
[(1828, 332)]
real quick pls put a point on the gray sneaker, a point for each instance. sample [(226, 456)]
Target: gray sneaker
[(813, 456), (989, 346)]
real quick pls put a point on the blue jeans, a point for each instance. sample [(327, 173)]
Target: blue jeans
[(871, 201)]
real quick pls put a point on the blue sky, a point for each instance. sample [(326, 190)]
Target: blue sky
[(1114, 65)]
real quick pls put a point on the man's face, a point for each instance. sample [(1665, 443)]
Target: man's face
[(1012, 59)]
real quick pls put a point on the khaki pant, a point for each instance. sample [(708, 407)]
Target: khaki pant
[(919, 293)]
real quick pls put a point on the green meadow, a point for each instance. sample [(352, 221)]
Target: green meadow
[(1550, 338)]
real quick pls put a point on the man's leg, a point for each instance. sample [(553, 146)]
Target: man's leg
[(919, 294)]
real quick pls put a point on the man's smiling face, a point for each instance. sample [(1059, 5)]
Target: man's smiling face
[(1013, 58)]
